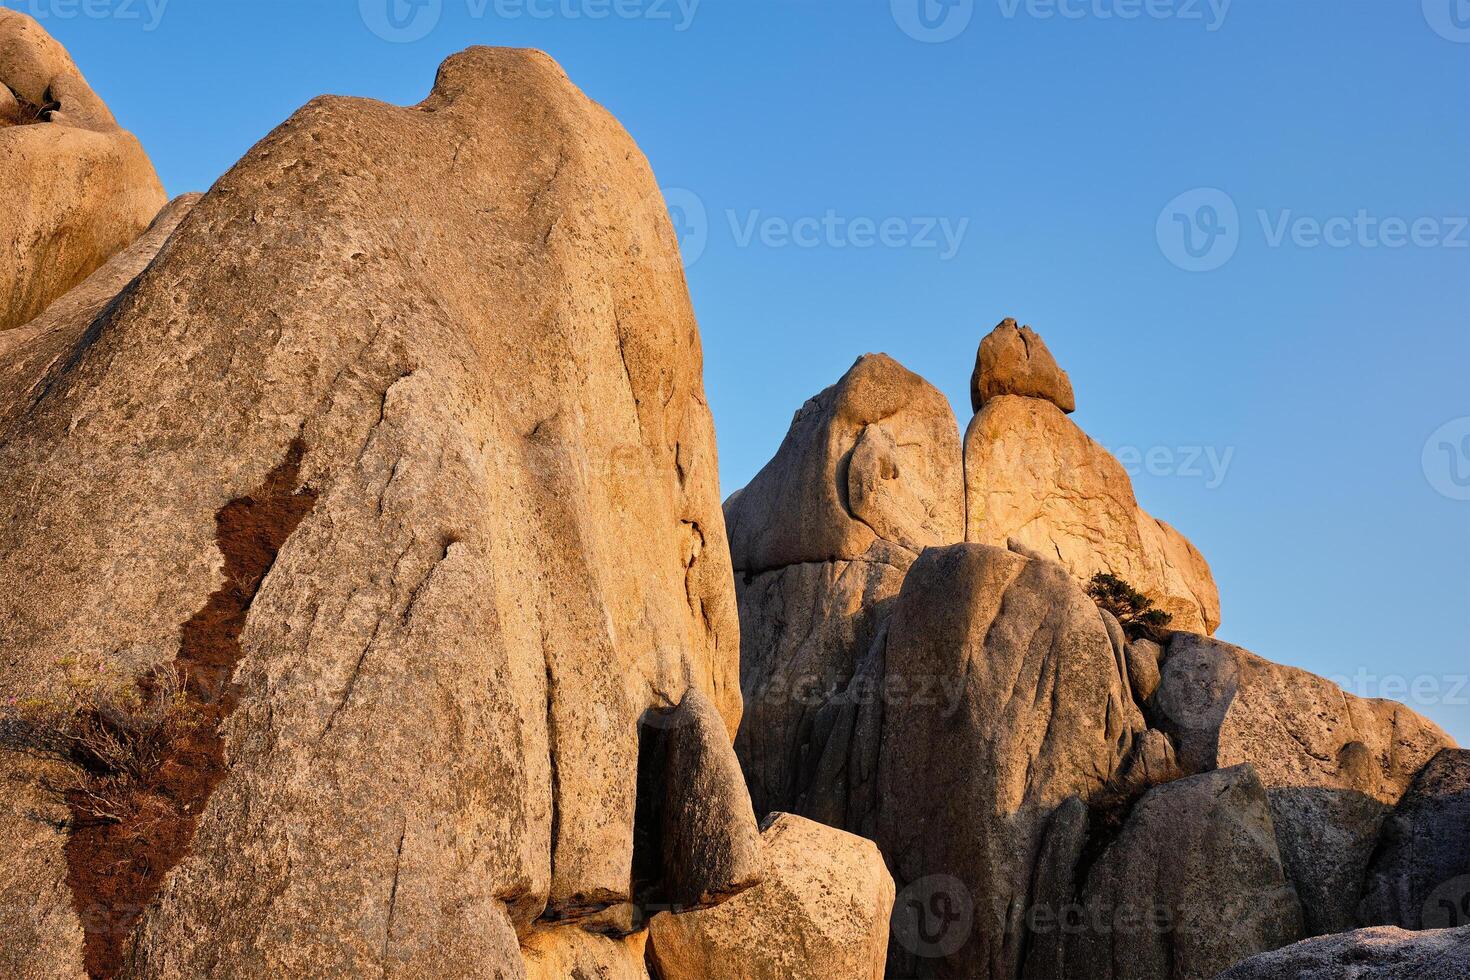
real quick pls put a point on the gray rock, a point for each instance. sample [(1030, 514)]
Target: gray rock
[(1193, 884), (1420, 874), (1034, 711), (1384, 953), (803, 630), (1333, 764), (708, 836)]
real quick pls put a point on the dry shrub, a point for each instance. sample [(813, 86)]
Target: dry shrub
[(112, 740)]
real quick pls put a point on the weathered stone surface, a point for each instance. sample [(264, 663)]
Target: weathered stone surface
[(569, 953), (25, 351), (1015, 361), (77, 188), (1144, 657), (803, 630), (432, 334), (868, 475), (1420, 874), (821, 914), (1193, 885), (1333, 763), (1367, 954), (876, 456), (1031, 474), (708, 841), (967, 787)]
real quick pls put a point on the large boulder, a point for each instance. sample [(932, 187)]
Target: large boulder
[(1420, 875), (1007, 697), (1368, 954), (398, 454), (1015, 361), (1333, 764), (1193, 884), (1033, 476), (821, 914), (869, 474), (77, 188)]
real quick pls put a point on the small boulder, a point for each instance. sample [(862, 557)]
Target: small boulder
[(1015, 361), (821, 914)]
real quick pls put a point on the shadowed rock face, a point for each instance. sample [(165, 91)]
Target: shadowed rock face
[(966, 788), (77, 188), (1368, 954), (1420, 875), (468, 319), (868, 475), (1333, 764), (1192, 885)]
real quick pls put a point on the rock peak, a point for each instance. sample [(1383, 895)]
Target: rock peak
[(1014, 360)]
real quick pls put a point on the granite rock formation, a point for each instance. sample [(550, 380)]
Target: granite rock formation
[(409, 474), (1384, 953), (820, 914), (77, 188), (1015, 360)]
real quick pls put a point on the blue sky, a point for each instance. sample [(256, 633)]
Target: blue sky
[(877, 176)]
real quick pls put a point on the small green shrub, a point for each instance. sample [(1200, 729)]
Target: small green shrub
[(1133, 610)]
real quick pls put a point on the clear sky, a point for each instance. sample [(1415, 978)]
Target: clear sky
[(1241, 226)]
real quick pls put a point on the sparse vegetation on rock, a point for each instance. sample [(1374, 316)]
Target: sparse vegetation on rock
[(1134, 611)]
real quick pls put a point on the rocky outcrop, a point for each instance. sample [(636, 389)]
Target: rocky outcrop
[(570, 953), (874, 457), (77, 188), (1015, 361), (25, 351), (1034, 709), (1032, 475), (1333, 764), (1192, 885), (1420, 874), (408, 471), (1368, 954), (821, 914), (868, 475)]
